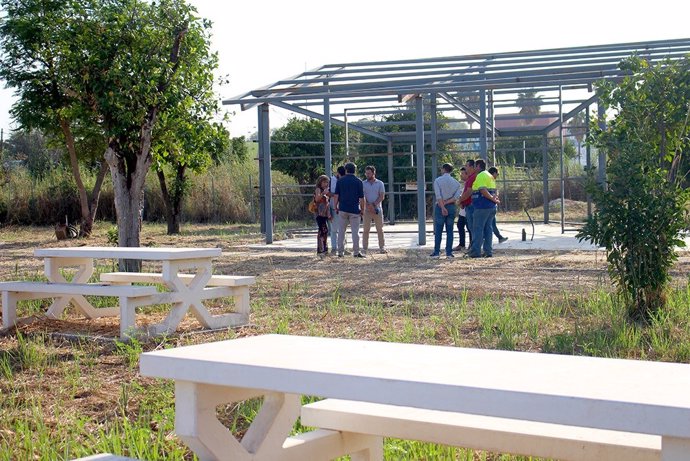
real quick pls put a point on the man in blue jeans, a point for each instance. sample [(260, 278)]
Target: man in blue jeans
[(484, 201), (349, 204), (447, 192)]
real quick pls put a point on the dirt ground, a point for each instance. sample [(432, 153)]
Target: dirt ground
[(388, 279)]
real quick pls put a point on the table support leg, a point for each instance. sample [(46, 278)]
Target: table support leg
[(84, 272), (267, 437), (675, 449), (9, 309)]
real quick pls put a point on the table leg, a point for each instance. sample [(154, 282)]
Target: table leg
[(675, 449), (191, 295), (267, 437), (84, 272)]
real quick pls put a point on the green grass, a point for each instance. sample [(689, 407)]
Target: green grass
[(62, 401)]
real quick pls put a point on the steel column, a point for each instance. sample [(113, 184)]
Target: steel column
[(560, 140), (265, 152), (601, 176), (434, 135), (421, 180), (262, 191), (391, 185), (588, 161), (545, 177), (327, 146), (482, 125)]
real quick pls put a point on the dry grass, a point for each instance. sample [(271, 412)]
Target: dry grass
[(402, 295)]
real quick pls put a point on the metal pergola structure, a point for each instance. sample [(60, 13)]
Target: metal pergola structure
[(479, 87)]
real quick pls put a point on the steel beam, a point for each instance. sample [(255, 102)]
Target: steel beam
[(334, 121)]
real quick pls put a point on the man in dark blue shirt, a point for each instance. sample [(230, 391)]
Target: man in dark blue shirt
[(349, 205)]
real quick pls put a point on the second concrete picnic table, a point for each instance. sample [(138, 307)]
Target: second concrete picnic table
[(186, 291)]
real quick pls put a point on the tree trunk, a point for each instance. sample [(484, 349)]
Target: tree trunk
[(86, 226), (172, 201), (128, 185), (87, 213)]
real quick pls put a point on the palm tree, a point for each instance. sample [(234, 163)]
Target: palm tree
[(529, 104)]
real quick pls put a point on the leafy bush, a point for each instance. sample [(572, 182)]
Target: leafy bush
[(642, 210)]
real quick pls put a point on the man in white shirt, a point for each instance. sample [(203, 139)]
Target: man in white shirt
[(374, 193), (334, 224)]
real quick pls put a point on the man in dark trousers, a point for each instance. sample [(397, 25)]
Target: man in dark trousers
[(349, 205)]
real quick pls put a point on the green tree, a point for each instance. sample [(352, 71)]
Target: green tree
[(305, 162), (139, 62), (38, 40), (641, 212), (186, 139), (33, 149)]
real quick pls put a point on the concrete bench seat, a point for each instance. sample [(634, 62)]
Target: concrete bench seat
[(150, 277), (12, 292), (234, 286), (481, 432)]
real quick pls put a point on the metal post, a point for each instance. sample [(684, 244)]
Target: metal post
[(492, 117), (421, 181), (482, 126), (545, 176), (434, 136), (560, 140), (347, 137), (601, 114), (588, 161), (262, 183), (391, 184), (327, 146), (265, 146)]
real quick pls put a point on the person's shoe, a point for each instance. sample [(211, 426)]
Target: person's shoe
[(487, 256), (359, 255), (334, 251), (459, 248), (340, 255), (469, 256), (434, 255), (502, 239), (383, 251), (450, 256), (347, 253)]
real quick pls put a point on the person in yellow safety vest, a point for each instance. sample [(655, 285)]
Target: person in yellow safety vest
[(484, 201)]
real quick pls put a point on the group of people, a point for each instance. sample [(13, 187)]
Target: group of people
[(344, 199), (477, 202)]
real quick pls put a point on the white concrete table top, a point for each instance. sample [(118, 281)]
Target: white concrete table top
[(625, 395), (144, 253)]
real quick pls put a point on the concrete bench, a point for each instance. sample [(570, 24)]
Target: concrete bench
[(481, 432), (12, 292), (238, 285)]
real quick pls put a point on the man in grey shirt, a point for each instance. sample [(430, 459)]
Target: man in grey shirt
[(374, 193), (447, 192)]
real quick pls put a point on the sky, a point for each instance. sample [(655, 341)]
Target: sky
[(262, 41)]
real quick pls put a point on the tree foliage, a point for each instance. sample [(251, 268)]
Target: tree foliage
[(286, 157), (40, 51), (137, 74), (642, 210)]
